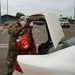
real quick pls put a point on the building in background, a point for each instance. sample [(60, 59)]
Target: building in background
[(4, 18)]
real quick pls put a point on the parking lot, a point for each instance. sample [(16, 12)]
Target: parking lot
[(40, 36), (69, 32)]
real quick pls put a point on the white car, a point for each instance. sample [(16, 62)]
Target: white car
[(58, 59), (64, 23)]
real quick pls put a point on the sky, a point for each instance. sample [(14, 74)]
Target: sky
[(29, 7)]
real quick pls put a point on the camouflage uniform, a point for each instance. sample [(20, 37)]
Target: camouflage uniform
[(13, 31)]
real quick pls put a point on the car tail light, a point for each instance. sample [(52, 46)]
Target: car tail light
[(17, 67)]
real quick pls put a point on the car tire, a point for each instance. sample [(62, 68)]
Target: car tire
[(68, 26)]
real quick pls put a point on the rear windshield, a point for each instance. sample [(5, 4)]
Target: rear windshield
[(63, 20), (62, 45)]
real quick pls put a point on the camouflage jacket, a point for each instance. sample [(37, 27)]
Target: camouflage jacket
[(14, 31)]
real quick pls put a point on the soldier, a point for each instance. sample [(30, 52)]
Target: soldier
[(26, 42), (14, 31)]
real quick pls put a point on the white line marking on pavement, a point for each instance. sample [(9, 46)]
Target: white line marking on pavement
[(3, 45), (37, 30), (6, 45), (44, 27), (4, 31)]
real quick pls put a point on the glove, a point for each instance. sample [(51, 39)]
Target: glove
[(24, 26)]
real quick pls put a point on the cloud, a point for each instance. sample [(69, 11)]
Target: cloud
[(37, 6)]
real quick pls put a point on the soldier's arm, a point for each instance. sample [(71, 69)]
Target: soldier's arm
[(14, 30)]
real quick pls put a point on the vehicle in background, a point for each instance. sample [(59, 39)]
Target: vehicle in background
[(40, 22), (64, 23)]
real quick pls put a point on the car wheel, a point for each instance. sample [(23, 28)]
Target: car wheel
[(62, 26), (68, 26)]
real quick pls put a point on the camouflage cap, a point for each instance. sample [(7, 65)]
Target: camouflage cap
[(18, 14)]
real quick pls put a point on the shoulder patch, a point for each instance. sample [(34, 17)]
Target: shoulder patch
[(14, 24)]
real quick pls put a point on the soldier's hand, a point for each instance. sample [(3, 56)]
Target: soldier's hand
[(23, 26)]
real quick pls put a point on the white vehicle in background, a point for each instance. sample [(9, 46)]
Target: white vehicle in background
[(64, 23), (58, 58)]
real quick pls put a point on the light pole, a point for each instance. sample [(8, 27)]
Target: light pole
[(0, 12), (7, 11), (74, 10)]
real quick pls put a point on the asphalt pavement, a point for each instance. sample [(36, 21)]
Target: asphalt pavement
[(3, 50)]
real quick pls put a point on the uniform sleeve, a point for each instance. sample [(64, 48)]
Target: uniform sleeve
[(14, 30)]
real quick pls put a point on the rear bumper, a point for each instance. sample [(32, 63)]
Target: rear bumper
[(65, 26), (17, 73)]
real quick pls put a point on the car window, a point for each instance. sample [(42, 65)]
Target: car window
[(71, 41), (63, 20), (53, 49), (62, 45)]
